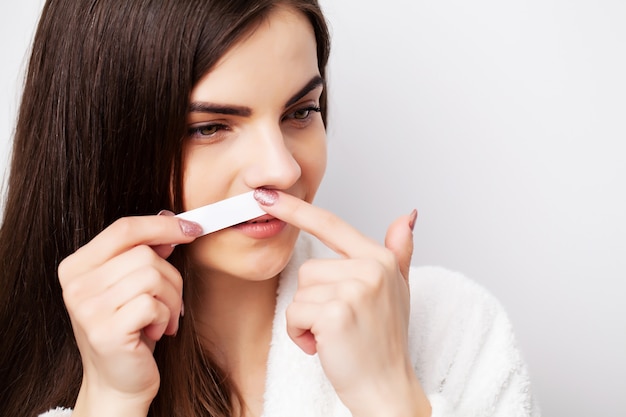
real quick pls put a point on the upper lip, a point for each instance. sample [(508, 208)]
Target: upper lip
[(263, 218)]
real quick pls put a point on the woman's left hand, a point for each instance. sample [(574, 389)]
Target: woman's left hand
[(354, 311)]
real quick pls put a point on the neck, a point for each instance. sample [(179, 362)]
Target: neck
[(234, 317)]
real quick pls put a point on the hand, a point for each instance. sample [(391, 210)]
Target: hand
[(354, 311), (122, 296)]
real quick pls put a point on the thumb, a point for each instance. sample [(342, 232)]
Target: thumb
[(399, 240), (164, 251)]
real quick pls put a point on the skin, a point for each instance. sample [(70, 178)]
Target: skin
[(271, 144), (123, 296)]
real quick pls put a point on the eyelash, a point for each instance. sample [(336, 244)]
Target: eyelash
[(216, 128), (308, 110), (196, 131)]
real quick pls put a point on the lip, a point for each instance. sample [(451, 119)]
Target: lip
[(262, 219), (262, 227)]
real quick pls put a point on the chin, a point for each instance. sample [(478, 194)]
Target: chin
[(229, 254), (270, 260)]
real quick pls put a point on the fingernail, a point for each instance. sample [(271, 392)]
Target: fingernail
[(190, 228), (265, 197), (185, 228), (412, 219)]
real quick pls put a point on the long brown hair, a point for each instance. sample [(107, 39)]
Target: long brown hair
[(98, 137)]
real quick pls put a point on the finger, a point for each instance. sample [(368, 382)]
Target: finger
[(164, 251), (151, 282), (350, 292), (326, 322), (327, 227), (136, 258), (127, 233), (125, 329), (315, 272), (145, 280), (399, 239), (84, 286), (316, 294), (144, 272), (300, 319), (142, 314)]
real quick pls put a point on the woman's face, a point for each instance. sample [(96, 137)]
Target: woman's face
[(255, 122)]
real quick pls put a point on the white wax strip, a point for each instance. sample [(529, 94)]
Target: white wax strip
[(225, 213)]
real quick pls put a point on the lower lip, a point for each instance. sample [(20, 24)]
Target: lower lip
[(261, 230)]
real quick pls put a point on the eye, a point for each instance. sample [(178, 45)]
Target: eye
[(206, 131), (303, 114)]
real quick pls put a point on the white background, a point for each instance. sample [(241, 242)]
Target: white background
[(504, 123)]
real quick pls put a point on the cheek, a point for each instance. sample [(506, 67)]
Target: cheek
[(204, 180), (312, 161)]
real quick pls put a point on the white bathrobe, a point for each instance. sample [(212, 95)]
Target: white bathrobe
[(461, 344)]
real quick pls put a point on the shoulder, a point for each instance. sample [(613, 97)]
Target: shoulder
[(452, 316), (463, 346), (439, 292), (441, 280)]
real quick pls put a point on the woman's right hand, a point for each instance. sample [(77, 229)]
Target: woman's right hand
[(122, 296)]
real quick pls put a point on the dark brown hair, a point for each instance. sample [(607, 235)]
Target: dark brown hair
[(98, 137)]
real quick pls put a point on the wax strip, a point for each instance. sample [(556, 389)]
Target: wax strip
[(225, 213)]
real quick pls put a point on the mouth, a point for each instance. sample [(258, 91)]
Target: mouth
[(266, 218), (261, 227)]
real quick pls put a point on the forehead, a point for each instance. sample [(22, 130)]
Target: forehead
[(279, 54)]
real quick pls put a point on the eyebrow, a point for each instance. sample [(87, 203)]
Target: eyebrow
[(243, 111), (203, 107), (310, 86)]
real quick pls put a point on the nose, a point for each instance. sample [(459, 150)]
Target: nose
[(271, 163)]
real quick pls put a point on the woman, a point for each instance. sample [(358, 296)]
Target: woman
[(133, 108)]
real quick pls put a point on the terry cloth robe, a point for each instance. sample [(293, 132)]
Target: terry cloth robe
[(461, 344)]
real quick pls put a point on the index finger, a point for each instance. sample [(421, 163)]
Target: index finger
[(125, 234), (334, 232)]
